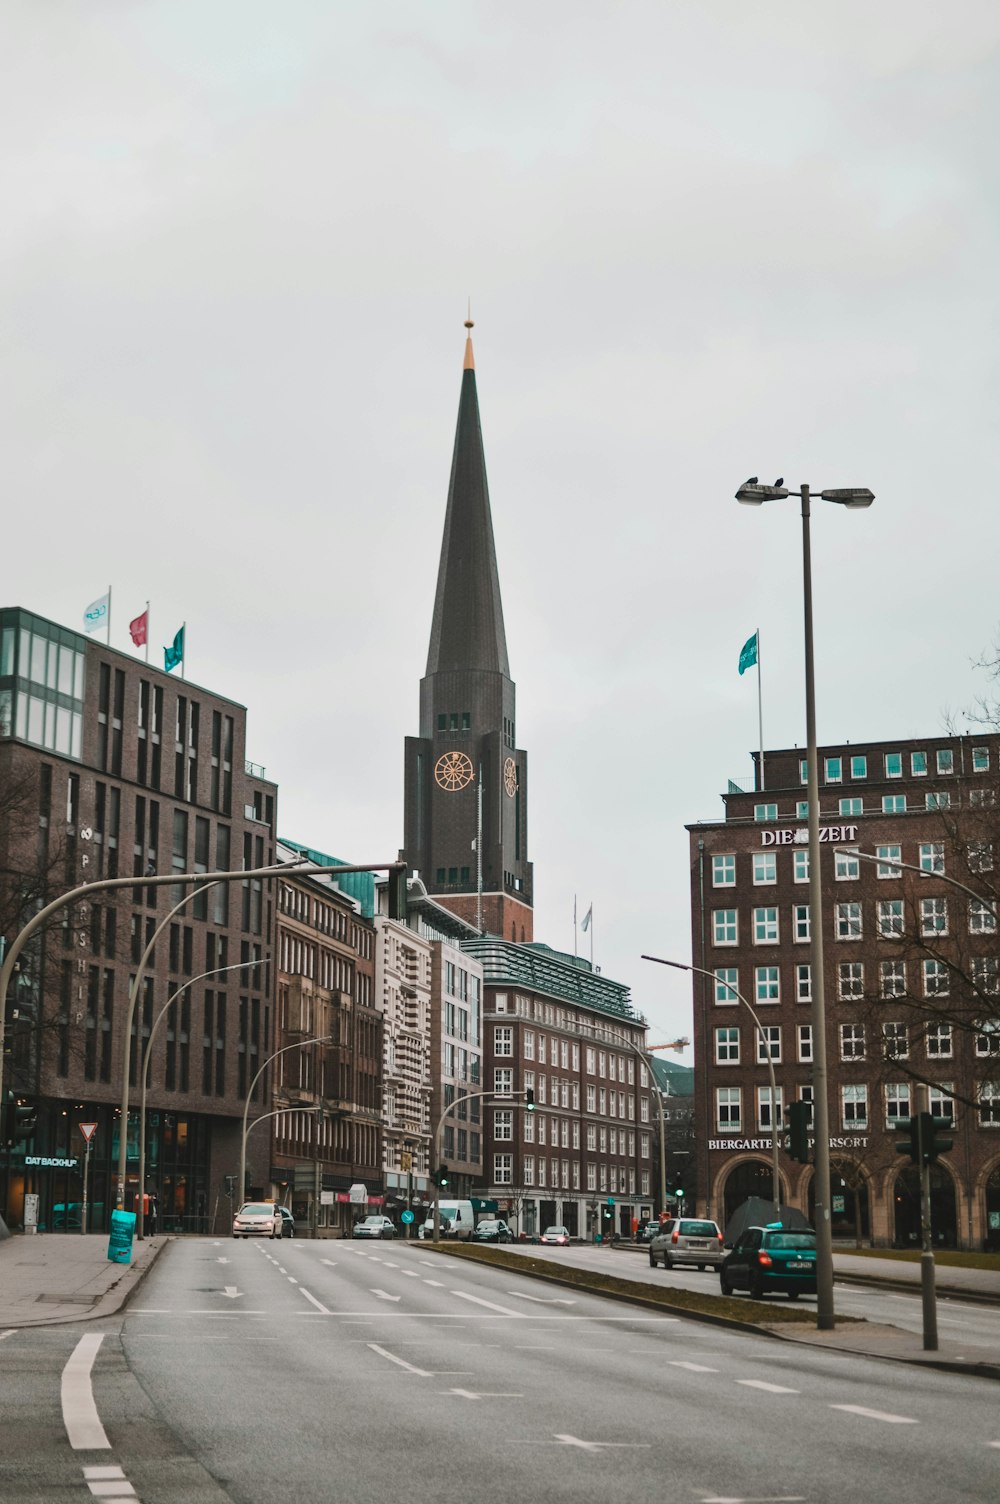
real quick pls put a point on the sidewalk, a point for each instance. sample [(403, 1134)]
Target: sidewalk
[(57, 1277)]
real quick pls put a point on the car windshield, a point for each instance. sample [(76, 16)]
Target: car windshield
[(560, 1231), (256, 1210), (790, 1240), (699, 1229)]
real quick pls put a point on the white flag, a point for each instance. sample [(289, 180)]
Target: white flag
[(96, 614), (585, 921)]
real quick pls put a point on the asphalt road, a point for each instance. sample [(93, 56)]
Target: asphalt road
[(329, 1372)]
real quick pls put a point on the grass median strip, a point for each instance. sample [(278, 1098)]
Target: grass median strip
[(726, 1310)]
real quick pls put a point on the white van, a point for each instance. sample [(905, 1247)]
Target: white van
[(458, 1220)]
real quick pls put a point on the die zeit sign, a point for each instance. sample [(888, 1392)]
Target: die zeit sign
[(828, 835)]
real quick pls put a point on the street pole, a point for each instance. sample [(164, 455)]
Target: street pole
[(298, 1045), (439, 1135), (928, 1295)]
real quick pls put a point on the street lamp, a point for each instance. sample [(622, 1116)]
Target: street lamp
[(298, 1045), (752, 494), (765, 1045)]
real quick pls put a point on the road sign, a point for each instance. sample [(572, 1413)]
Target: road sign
[(88, 1130), (406, 1217), (406, 1160)]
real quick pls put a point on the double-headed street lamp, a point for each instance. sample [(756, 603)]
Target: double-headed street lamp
[(297, 1045), (753, 494)]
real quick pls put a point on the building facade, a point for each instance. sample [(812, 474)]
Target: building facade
[(583, 1157), (909, 840), (466, 778), (111, 768)]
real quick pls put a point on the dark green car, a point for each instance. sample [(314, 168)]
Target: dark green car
[(765, 1259)]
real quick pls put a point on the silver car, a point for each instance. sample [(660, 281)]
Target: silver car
[(258, 1219), (687, 1240)]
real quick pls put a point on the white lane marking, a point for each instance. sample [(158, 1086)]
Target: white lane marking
[(892, 1420), (80, 1417), (596, 1446), (412, 1274), (476, 1300), (423, 1372), (332, 1262), (542, 1300), (388, 1263), (280, 1269), (469, 1394), (755, 1499), (993, 1443), (8, 1333), (114, 1488), (768, 1388), (438, 1284), (233, 1292), (316, 1303), (222, 1261), (694, 1367), (384, 1295), (291, 1279)]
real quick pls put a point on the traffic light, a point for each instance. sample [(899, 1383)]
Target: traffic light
[(397, 892), (798, 1131), (924, 1143), (441, 1176), (529, 1099), (17, 1120)]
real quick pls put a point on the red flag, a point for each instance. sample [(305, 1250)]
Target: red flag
[(137, 629)]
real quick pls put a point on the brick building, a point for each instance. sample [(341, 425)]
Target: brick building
[(109, 767), (910, 971)]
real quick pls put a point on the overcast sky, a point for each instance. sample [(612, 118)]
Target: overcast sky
[(702, 240)]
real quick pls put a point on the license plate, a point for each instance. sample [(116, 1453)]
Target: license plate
[(693, 1243), (799, 1264)]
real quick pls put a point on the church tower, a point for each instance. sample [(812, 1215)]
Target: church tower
[(466, 783)]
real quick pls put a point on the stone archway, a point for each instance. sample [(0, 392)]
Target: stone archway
[(991, 1209), (850, 1201), (741, 1179), (906, 1208)]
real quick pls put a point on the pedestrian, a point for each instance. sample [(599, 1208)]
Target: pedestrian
[(152, 1216)]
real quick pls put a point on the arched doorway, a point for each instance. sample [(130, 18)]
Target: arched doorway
[(991, 1219), (906, 1208), (752, 1177), (850, 1214)]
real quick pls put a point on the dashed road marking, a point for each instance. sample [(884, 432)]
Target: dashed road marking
[(694, 1367), (80, 1417), (768, 1388), (883, 1415), (108, 1483)]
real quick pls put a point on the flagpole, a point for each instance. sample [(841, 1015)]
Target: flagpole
[(147, 631), (479, 853), (591, 912), (184, 648), (574, 928), (109, 616), (760, 714)]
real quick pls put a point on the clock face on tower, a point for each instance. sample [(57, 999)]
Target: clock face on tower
[(510, 777), (453, 771)]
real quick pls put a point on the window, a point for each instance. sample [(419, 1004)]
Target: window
[(803, 983), (847, 866), (894, 765), (847, 921), (727, 981), (765, 812), (854, 1106), (888, 854), (945, 761), (503, 1169), (892, 978), (859, 765), (986, 975), (980, 759), (503, 1041), (803, 770), (936, 983), (852, 1041), (503, 1082), (765, 926), (503, 1125), (918, 764), (938, 801), (802, 809), (851, 979), (982, 917), (851, 807), (764, 1108), (725, 926), (766, 984), (932, 857), (895, 1041), (800, 923), (989, 1104), (939, 1041), (988, 1038), (805, 1043), (529, 1044), (942, 1102), (800, 866), (897, 1103), (893, 804), (982, 798), (980, 856), (724, 871), (768, 1043), (764, 868), (890, 920), (833, 769), (933, 916), (728, 1110), (727, 1046)]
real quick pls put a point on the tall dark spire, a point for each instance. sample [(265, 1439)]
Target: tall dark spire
[(467, 630)]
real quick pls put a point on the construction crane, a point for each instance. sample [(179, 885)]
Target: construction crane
[(675, 1044)]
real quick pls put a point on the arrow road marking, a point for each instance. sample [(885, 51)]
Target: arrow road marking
[(232, 1292), (557, 1300), (384, 1295)]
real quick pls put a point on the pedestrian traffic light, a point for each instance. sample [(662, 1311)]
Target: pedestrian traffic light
[(798, 1131), (924, 1143), (397, 891), (529, 1099), (441, 1176)]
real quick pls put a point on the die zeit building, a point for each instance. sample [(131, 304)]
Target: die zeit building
[(466, 779), (911, 982), (108, 768)]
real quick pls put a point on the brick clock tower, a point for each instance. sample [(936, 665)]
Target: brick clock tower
[(466, 784)]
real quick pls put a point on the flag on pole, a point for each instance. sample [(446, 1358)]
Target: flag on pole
[(137, 629), (96, 614), (748, 653), (174, 654), (585, 921)]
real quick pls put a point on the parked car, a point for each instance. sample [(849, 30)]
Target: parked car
[(287, 1222), (558, 1235), (687, 1240), (765, 1259), (646, 1230), (258, 1219), (374, 1227), (493, 1230)]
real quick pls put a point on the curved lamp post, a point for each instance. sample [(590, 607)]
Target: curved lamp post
[(298, 1045), (703, 971), (752, 494)]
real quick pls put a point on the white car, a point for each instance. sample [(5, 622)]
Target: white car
[(258, 1219), (374, 1227)]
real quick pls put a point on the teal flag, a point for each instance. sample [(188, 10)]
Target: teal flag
[(175, 654), (748, 653)]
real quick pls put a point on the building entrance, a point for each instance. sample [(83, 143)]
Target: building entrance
[(906, 1205)]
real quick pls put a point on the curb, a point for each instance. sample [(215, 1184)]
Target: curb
[(108, 1303)]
